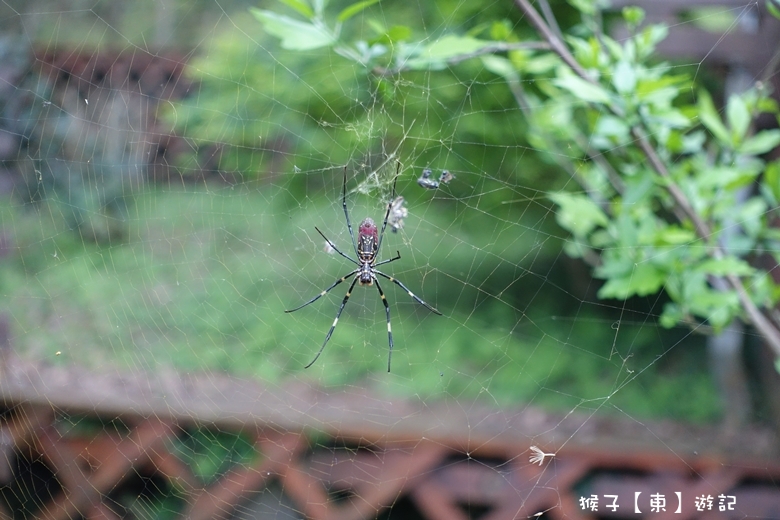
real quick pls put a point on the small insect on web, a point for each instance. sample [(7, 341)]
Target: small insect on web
[(425, 180), (366, 249)]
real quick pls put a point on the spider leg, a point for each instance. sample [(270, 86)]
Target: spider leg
[(389, 207), (336, 249), (346, 213), (389, 331), (338, 315), (323, 293), (405, 288), (396, 257)]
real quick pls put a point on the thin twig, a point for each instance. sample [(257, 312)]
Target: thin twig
[(499, 47), (555, 42), (702, 229), (550, 17)]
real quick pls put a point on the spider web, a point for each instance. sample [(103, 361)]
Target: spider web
[(164, 165)]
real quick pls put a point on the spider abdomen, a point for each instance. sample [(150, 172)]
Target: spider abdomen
[(367, 243)]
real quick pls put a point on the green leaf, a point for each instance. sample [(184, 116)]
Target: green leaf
[(725, 266), (575, 249), (398, 33), (711, 119), (300, 6), (772, 179), (649, 38), (501, 30), (773, 6), (541, 64), (615, 49), (672, 117), (738, 117), (578, 213), (633, 15), (664, 87), (762, 289), (644, 279), (718, 307), (587, 51), (501, 67), (694, 142), (624, 77), (610, 131), (728, 176), (354, 9), (295, 35), (640, 188), (584, 6), (673, 235), (394, 34), (582, 89), (378, 27), (438, 53), (767, 105), (750, 215), (672, 315), (760, 143)]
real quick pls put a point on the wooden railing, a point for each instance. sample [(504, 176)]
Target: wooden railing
[(348, 454)]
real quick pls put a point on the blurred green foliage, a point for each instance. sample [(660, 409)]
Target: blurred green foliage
[(277, 109), (203, 280), (206, 270)]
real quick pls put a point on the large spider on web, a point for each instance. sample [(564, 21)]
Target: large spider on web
[(366, 249)]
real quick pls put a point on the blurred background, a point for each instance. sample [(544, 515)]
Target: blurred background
[(163, 165)]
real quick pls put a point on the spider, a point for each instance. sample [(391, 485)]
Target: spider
[(366, 249)]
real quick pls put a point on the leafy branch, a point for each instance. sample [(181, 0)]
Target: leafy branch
[(683, 207)]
